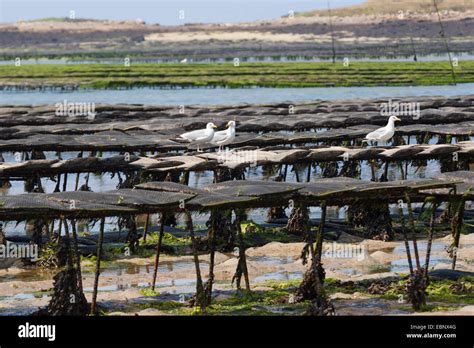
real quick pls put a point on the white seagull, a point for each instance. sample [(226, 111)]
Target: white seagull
[(383, 134), (200, 136), (224, 137)]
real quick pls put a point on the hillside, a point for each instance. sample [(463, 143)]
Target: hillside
[(391, 7)]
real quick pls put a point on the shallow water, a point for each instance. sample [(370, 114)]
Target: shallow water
[(401, 266), (272, 260), (164, 266), (279, 276), (212, 96), (187, 283), (422, 245)]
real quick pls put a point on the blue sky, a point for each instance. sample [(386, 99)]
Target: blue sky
[(165, 12)]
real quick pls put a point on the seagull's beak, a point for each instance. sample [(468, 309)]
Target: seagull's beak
[(397, 119), (214, 126), (228, 124)]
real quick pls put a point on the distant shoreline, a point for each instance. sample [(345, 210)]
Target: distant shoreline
[(404, 34)]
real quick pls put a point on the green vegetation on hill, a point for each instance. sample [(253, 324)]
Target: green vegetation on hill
[(51, 19), (381, 7)]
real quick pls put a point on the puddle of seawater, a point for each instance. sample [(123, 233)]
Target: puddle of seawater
[(349, 271), (272, 260), (370, 303), (365, 270), (401, 266), (283, 309), (422, 246), (18, 311), (279, 276), (397, 266), (23, 296), (28, 276), (183, 282), (164, 266)]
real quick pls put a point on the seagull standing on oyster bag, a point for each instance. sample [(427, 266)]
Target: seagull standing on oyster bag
[(383, 134), (200, 136), (224, 137)]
